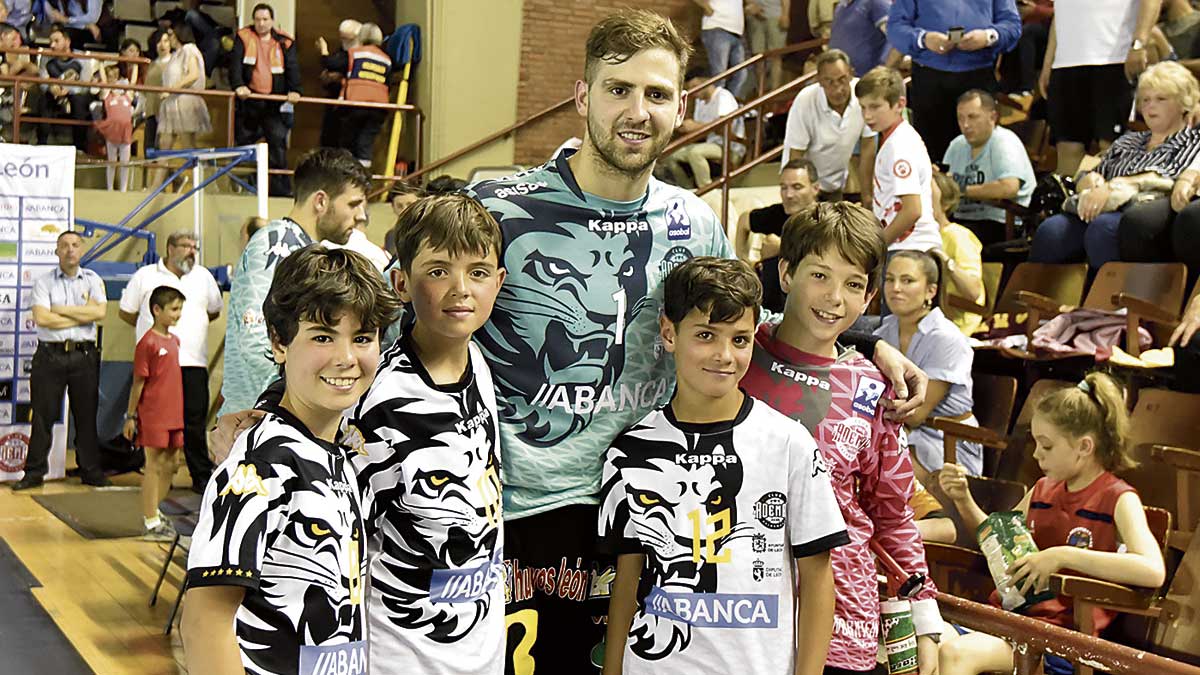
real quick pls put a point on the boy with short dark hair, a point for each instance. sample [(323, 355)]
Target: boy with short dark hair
[(429, 453), (902, 196), (155, 410), (830, 258), (277, 568), (714, 504)]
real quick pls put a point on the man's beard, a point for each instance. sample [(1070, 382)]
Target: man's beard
[(328, 230), (185, 265), (631, 165)]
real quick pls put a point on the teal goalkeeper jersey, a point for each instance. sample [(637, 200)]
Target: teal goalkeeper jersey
[(573, 339), (248, 364)]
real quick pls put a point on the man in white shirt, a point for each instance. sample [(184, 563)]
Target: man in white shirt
[(711, 103), (202, 304), (721, 32), (825, 124), (361, 244)]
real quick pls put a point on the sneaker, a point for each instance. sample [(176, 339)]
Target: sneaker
[(96, 480), (163, 532)]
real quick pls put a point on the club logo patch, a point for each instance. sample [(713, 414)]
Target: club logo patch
[(771, 510), (902, 169), (679, 225)]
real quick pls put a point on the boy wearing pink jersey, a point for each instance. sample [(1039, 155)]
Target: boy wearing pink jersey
[(829, 262)]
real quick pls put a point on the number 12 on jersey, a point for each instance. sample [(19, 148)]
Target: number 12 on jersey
[(719, 524)]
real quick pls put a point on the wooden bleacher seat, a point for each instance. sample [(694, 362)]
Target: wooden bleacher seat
[(1043, 284), (1169, 419), (993, 398), (992, 272), (1187, 466), (1161, 320)]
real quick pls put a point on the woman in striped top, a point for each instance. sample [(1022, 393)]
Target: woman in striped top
[(1138, 161)]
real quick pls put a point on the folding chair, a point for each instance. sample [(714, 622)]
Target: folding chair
[(993, 398)]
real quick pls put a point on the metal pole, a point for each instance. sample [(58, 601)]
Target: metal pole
[(725, 177), (197, 209), (260, 155)]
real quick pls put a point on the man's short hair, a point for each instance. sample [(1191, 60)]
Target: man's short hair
[(986, 100), (883, 82), (370, 34), (68, 233), (445, 184), (59, 28), (403, 187), (6, 28), (844, 227), (833, 56), (724, 288), (319, 285), (331, 170), (452, 223), (164, 295), (617, 38), (951, 193), (263, 5), (1173, 80), (802, 164), (179, 235)]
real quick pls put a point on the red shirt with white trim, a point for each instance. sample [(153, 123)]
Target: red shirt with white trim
[(902, 167)]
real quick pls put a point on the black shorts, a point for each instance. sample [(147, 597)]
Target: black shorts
[(557, 595), (1089, 103)]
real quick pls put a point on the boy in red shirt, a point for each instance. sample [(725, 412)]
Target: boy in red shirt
[(155, 409)]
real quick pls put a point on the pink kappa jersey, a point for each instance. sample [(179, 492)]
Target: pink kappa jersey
[(838, 401)]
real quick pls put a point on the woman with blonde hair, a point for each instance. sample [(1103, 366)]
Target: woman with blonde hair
[(1137, 165)]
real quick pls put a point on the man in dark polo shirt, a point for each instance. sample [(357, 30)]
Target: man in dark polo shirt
[(798, 189)]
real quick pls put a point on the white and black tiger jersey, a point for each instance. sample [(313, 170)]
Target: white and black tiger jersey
[(719, 510), (282, 517), (429, 461)]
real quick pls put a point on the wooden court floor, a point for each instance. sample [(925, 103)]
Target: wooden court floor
[(97, 591)]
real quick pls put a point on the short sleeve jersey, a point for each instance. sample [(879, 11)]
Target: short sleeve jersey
[(719, 510), (573, 339), (156, 358), (248, 365), (1003, 156), (429, 457), (282, 518), (902, 168), (838, 400)]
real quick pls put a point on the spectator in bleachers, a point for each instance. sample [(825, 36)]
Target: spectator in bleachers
[(333, 74), (1166, 229), (989, 163), (959, 255), (766, 29), (80, 18), (797, 191), (1087, 72), (115, 124), (825, 125), (946, 64), (264, 62), (64, 100), (18, 14), (207, 33), (860, 29), (181, 117), (721, 31), (918, 328), (367, 73), (1137, 161), (820, 17), (132, 49), (709, 104), (154, 78), (26, 96)]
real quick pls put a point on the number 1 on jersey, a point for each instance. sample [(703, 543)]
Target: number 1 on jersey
[(619, 298)]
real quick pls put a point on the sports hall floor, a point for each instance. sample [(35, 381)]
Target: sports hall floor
[(95, 591)]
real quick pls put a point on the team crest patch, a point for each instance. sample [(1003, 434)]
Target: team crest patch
[(1080, 537), (675, 256), (771, 510), (758, 570), (850, 437), (866, 396), (902, 169), (679, 225)]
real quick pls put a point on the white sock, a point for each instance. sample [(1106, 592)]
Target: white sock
[(152, 523)]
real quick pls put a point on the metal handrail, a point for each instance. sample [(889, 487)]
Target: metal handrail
[(516, 126), (1033, 637)]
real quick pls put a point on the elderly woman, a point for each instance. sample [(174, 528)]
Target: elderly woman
[(1139, 161)]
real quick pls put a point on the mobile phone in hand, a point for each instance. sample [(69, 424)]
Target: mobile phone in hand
[(955, 34)]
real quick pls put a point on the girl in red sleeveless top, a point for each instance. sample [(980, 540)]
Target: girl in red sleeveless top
[(1085, 520)]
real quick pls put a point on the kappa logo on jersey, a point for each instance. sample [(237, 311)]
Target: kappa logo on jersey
[(679, 225), (245, 480), (771, 510), (866, 396), (618, 226), (520, 189), (715, 610), (718, 457), (850, 437), (902, 169), (466, 426), (799, 376)]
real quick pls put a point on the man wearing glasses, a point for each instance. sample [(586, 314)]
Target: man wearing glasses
[(202, 304)]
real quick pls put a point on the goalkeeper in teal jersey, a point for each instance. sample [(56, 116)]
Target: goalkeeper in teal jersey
[(331, 199)]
